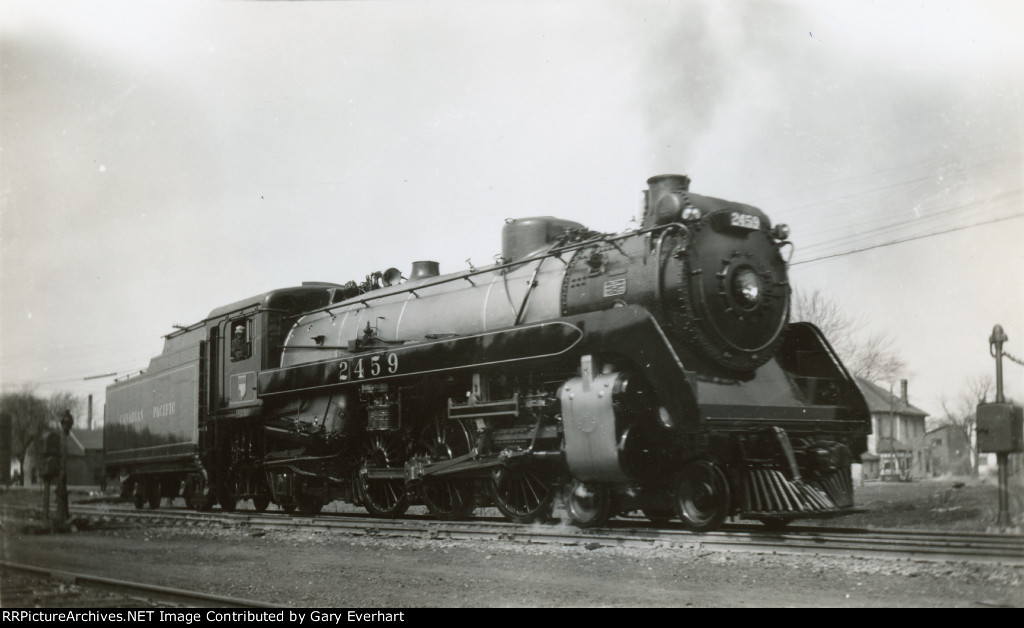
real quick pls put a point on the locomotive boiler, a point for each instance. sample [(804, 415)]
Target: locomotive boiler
[(654, 370)]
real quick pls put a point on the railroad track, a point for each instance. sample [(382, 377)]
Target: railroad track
[(27, 586), (907, 544)]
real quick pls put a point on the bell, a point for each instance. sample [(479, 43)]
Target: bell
[(391, 277)]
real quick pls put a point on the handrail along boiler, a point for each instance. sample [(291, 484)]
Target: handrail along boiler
[(654, 370)]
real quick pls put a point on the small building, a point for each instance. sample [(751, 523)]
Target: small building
[(869, 467), (85, 467), (897, 434), (949, 452), (85, 457)]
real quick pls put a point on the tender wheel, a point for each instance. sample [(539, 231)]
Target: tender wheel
[(139, 497), (702, 496), (153, 494), (588, 505), (288, 508), (522, 494), (198, 501), (196, 495), (226, 498), (449, 499), (383, 498), (260, 503)]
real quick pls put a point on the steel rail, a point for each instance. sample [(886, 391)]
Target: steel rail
[(916, 544), (170, 595)]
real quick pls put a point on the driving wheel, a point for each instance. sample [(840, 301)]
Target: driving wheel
[(383, 498), (523, 494), (447, 498)]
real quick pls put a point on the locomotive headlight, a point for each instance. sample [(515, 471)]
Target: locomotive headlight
[(780, 232), (746, 287)]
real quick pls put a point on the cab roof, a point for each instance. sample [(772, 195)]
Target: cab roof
[(282, 298)]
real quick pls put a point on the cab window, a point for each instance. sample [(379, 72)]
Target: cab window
[(241, 344)]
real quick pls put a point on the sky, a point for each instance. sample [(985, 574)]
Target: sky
[(160, 159)]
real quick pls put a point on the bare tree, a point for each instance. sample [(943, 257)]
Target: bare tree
[(876, 360), (961, 414), (58, 402), (28, 421), (871, 357), (824, 311)]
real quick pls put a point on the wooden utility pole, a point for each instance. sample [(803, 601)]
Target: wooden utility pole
[(63, 514)]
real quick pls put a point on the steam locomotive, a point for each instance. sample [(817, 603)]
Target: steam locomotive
[(651, 371)]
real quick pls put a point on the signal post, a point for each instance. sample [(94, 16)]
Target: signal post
[(1000, 427)]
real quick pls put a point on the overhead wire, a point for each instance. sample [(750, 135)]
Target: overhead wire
[(870, 199), (909, 195), (918, 237), (925, 220), (908, 192), (945, 161)]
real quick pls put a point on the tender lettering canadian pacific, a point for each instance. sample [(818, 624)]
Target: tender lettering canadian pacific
[(164, 409), (127, 418)]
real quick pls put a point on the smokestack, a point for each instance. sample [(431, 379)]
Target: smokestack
[(903, 392), (666, 196)]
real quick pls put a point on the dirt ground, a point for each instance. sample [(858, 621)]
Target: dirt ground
[(959, 504), (329, 569)]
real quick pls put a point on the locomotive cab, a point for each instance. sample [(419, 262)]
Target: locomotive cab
[(248, 336), (162, 426)]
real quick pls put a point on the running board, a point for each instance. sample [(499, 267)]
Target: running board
[(471, 464)]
